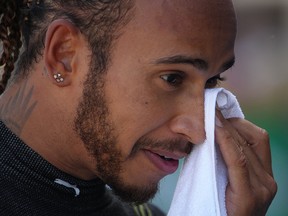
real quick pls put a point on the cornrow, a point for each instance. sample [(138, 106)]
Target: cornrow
[(10, 36), (23, 24)]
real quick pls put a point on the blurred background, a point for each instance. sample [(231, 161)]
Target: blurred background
[(260, 81)]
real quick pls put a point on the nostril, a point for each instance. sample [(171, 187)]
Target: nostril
[(189, 148), (195, 137)]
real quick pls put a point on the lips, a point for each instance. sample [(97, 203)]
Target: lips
[(164, 161)]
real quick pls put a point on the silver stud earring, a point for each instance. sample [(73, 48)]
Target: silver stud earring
[(58, 77)]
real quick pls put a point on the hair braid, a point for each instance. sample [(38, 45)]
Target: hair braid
[(10, 36)]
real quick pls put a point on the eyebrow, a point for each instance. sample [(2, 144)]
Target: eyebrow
[(200, 64)]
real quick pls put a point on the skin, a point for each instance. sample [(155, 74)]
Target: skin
[(146, 105), (154, 90)]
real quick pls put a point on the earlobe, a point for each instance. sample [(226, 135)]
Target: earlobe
[(61, 46)]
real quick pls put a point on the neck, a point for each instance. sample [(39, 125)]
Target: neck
[(16, 107), (41, 123)]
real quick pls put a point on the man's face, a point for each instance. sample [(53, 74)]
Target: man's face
[(149, 110)]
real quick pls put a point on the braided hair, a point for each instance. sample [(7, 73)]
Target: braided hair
[(10, 37), (23, 24)]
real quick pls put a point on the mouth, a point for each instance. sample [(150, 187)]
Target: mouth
[(164, 161)]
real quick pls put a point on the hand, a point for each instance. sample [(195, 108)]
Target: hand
[(246, 152)]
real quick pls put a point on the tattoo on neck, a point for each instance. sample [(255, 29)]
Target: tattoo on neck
[(18, 109), (45, 72)]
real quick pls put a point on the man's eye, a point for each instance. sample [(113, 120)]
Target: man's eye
[(214, 81), (172, 79)]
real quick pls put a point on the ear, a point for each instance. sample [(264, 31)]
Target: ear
[(62, 43)]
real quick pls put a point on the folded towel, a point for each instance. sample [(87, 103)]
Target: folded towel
[(200, 190)]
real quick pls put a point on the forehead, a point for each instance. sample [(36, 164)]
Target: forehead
[(186, 16), (205, 28), (175, 11)]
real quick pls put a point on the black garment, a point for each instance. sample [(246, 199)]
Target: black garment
[(30, 186)]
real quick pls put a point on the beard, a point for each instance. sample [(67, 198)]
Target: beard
[(97, 132)]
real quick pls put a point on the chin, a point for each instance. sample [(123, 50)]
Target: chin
[(135, 194)]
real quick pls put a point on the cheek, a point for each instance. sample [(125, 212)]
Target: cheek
[(124, 100), (134, 108), (134, 116)]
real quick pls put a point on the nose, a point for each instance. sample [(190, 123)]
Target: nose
[(189, 121)]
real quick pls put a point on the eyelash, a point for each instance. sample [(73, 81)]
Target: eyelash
[(177, 80), (214, 81)]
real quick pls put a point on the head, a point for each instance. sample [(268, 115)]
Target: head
[(25, 22), (141, 96)]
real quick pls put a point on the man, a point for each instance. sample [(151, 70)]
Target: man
[(111, 92)]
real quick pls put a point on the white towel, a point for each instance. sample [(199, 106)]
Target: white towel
[(200, 190)]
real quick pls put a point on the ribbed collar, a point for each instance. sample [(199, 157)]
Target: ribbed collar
[(34, 175)]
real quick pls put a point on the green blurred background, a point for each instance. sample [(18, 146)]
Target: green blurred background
[(260, 81)]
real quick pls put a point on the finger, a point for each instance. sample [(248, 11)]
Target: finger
[(258, 139), (234, 158), (260, 179), (247, 175), (255, 165)]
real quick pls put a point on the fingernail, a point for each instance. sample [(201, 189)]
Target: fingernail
[(218, 122)]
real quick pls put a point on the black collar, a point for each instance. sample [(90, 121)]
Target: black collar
[(34, 175)]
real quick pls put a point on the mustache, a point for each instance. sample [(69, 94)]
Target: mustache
[(172, 145)]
